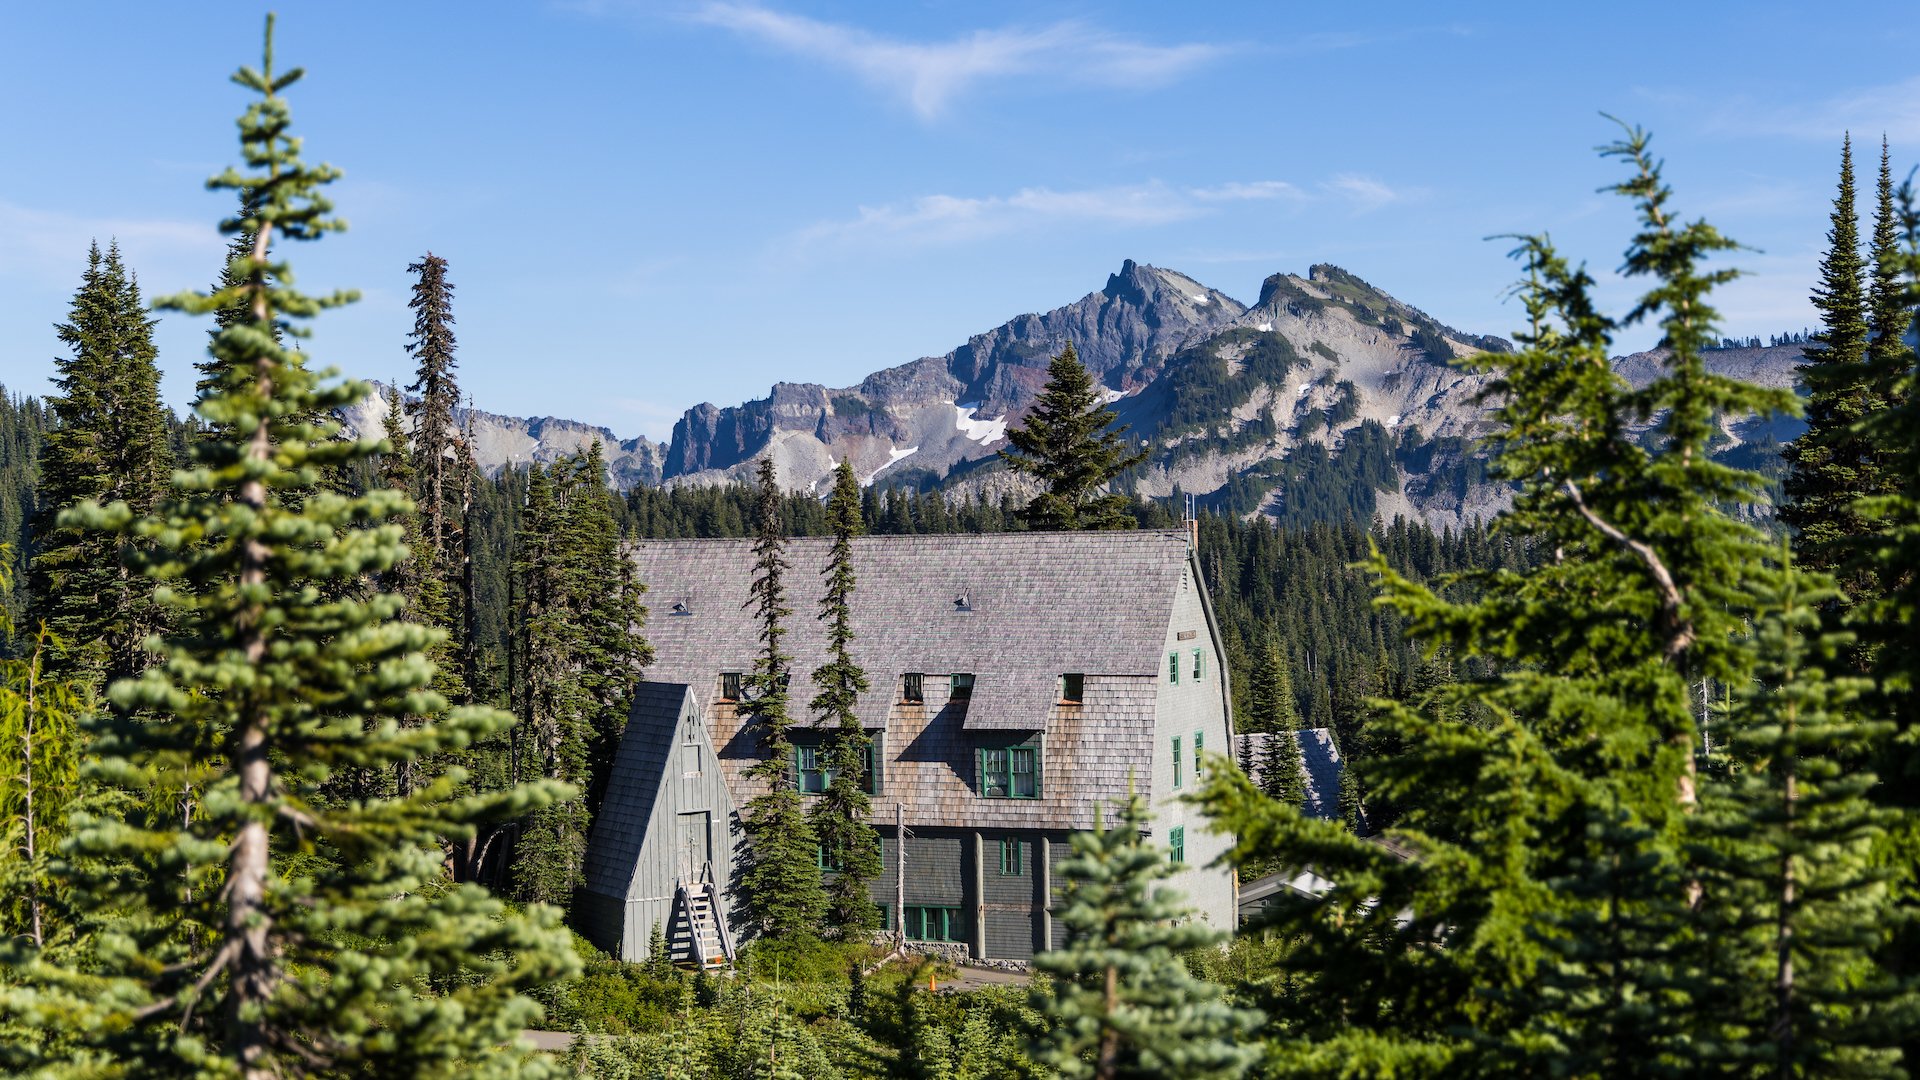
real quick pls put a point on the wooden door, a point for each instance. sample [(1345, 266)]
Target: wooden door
[(694, 850)]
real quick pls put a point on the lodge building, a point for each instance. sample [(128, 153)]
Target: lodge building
[(1019, 683)]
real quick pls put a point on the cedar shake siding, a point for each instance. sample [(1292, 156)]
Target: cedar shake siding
[(988, 755)]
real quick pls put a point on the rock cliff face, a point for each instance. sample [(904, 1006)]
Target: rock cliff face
[(1326, 398), (499, 441)]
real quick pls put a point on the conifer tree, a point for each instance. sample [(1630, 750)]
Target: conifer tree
[(1890, 622), (780, 882), (1121, 1003), (1273, 711), (273, 934), (436, 394), (840, 817), (1545, 927), (1785, 842), (40, 752), (548, 853), (109, 444), (1832, 464), (1069, 444)]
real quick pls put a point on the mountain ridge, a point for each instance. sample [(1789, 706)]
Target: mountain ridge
[(1325, 382)]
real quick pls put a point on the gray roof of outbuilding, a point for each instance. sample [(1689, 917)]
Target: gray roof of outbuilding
[(1037, 605), (1320, 767), (633, 785)]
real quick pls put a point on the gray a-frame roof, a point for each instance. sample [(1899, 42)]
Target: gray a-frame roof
[(635, 785)]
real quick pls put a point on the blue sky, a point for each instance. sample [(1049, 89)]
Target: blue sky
[(647, 205)]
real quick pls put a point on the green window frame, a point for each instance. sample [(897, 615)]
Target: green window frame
[(935, 924), (1199, 665), (812, 777), (1073, 688), (828, 859), (960, 686), (1177, 843), (1176, 761), (1010, 856), (1009, 772), (1173, 668), (1199, 744), (913, 687)]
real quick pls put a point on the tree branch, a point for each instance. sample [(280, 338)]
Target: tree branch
[(1677, 629)]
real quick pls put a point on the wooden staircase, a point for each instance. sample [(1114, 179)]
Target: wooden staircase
[(701, 935)]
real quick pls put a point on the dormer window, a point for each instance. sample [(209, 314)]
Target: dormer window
[(912, 688), (960, 687), (730, 686), (1072, 689)]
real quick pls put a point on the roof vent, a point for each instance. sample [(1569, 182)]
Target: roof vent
[(960, 604), (680, 608)]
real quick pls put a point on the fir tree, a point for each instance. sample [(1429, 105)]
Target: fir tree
[(273, 934), (436, 394), (1832, 464), (1121, 1003), (1545, 927), (840, 818), (40, 752), (109, 444), (548, 853), (780, 882), (1273, 711), (1890, 622), (1069, 444), (1785, 842)]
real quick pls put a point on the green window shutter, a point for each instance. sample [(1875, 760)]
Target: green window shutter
[(1039, 770), (1173, 668), (1176, 761), (1199, 665), (1199, 744), (1177, 843)]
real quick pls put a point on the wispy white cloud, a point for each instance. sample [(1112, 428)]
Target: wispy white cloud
[(935, 219), (1892, 109), (1236, 191), (46, 241), (1362, 192), (929, 75)]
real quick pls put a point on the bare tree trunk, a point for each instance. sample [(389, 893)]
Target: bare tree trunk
[(249, 924), (1108, 1065), (26, 758), (1784, 1028)]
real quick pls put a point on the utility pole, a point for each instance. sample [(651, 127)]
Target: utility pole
[(900, 875)]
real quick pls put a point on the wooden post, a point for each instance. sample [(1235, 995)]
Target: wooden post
[(1044, 874), (900, 875), (979, 896)]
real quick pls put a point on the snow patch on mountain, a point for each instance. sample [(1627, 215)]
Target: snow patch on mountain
[(980, 431)]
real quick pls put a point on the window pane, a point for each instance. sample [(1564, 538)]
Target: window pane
[(1023, 778), (1173, 667), (910, 689), (1199, 668), (961, 687), (730, 685), (1176, 761), (994, 773), (1072, 687)]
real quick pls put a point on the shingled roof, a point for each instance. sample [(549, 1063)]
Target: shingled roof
[(633, 786), (1093, 602), (1016, 610)]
